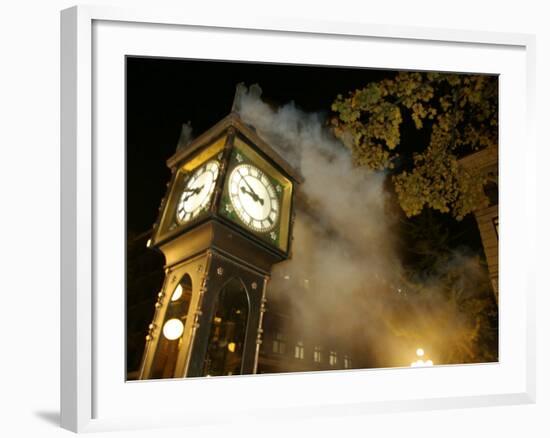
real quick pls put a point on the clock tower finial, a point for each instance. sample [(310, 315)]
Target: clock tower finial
[(240, 89)]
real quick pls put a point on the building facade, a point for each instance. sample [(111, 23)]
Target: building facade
[(486, 162)]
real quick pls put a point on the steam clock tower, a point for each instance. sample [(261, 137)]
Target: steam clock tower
[(225, 221)]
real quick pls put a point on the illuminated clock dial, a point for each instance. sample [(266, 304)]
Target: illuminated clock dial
[(254, 198), (197, 192)]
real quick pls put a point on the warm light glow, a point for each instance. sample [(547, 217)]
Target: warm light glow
[(231, 347), (177, 293), (148, 243), (173, 329), (421, 363)]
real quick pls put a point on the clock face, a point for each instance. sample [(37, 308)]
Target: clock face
[(197, 192), (254, 198)]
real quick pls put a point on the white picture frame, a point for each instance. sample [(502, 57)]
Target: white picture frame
[(94, 395)]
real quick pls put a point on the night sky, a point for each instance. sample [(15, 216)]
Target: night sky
[(164, 93)]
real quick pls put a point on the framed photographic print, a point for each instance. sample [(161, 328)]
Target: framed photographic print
[(257, 209)]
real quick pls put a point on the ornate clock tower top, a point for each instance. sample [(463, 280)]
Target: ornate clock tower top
[(233, 180)]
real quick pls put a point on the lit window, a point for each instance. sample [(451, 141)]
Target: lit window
[(279, 344), (173, 324), (299, 350), (317, 354), (347, 362), (333, 358)]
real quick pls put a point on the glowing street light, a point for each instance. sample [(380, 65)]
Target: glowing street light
[(419, 362)]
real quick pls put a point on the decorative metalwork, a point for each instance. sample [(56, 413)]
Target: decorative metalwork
[(254, 285), (150, 332), (239, 158), (219, 271), (196, 323)]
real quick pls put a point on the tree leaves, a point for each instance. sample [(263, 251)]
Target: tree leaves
[(460, 112)]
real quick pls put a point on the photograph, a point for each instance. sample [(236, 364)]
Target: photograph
[(285, 218)]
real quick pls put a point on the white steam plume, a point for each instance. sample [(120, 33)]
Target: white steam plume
[(343, 281)]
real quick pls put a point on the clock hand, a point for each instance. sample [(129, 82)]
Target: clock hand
[(254, 195), (194, 191), (249, 186)]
